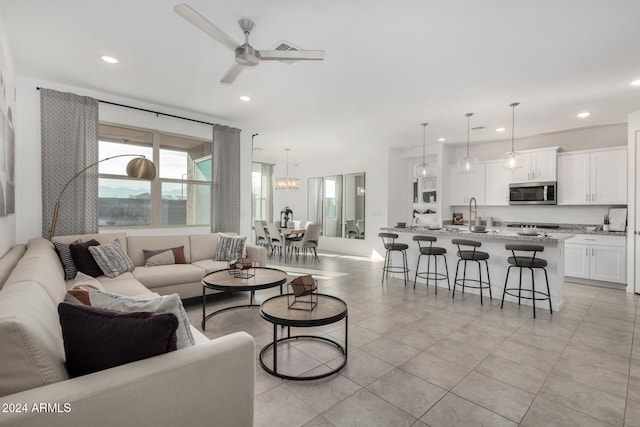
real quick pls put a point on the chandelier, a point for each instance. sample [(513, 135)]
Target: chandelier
[(287, 183)]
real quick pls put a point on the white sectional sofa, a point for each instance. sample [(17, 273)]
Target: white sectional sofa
[(210, 383)]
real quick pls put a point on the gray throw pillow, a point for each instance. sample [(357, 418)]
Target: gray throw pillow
[(230, 247), (111, 258), (64, 253)]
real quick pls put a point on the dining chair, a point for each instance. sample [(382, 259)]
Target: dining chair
[(261, 235), (308, 243), (351, 229), (277, 240)]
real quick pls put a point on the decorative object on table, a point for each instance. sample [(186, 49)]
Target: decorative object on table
[(287, 183), (304, 294), (286, 216), (140, 167), (468, 163), (458, 218), (241, 268), (512, 159), (618, 219), (401, 225), (489, 221), (423, 169), (606, 223)]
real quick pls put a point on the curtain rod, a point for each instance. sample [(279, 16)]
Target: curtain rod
[(149, 111)]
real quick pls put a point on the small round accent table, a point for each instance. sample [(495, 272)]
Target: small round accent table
[(328, 310), (223, 280)]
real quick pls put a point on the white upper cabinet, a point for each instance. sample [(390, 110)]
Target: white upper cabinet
[(462, 187), (496, 184), (539, 166), (593, 177)]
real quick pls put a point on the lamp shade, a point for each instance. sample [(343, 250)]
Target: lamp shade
[(141, 168)]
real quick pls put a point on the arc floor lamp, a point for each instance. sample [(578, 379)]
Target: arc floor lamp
[(140, 168)]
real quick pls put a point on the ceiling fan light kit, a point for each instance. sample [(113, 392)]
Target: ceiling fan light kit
[(245, 54), (512, 159), (468, 163)]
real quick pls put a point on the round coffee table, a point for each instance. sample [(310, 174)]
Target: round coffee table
[(329, 310), (223, 280)]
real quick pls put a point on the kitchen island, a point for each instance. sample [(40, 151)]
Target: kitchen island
[(493, 242)]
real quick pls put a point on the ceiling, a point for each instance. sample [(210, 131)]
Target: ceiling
[(389, 65)]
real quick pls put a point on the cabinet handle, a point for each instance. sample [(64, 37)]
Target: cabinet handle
[(586, 197)]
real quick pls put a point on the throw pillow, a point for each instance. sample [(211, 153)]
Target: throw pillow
[(164, 304), (111, 258), (230, 247), (62, 249), (78, 293), (164, 256), (83, 259), (96, 339)]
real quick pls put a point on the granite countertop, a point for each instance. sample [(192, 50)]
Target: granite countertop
[(493, 233)]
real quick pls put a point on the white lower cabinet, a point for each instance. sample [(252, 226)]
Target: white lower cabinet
[(596, 257)]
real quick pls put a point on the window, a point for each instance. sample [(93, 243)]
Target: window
[(261, 194), (180, 194)]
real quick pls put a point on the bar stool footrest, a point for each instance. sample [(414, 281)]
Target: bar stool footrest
[(460, 282), (546, 296)]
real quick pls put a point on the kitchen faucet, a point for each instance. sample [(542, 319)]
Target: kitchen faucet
[(474, 211)]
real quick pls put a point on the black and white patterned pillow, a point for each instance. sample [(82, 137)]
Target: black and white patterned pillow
[(64, 253), (111, 258), (230, 247)]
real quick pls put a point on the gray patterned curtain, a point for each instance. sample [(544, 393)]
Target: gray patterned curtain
[(69, 141), (225, 195)]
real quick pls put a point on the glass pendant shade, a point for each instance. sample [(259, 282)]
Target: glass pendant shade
[(423, 169), (512, 159), (468, 163), (287, 183)]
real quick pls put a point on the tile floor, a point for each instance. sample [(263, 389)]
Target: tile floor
[(417, 359)]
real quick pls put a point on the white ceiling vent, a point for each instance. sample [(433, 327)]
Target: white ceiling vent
[(285, 45)]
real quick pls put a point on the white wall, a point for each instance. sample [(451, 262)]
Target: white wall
[(7, 223), (29, 193)]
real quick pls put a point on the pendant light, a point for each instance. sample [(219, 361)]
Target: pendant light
[(467, 164), (423, 169), (512, 159), (287, 183)]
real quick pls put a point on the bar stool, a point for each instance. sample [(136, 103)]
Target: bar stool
[(475, 256), (530, 262), (389, 241), (435, 252)]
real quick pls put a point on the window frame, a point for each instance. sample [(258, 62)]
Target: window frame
[(156, 184)]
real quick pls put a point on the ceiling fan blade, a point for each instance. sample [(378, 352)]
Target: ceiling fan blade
[(232, 73), (292, 55), (205, 25)]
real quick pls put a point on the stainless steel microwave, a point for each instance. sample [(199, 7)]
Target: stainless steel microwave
[(533, 193)]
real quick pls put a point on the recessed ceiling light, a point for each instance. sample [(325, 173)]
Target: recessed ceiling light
[(635, 83), (245, 98), (500, 129), (442, 139), (109, 59), (584, 114)]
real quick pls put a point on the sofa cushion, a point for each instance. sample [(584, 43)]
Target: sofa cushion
[(209, 265), (101, 238), (83, 259), (164, 304), (96, 339), (163, 275), (203, 246), (164, 256), (229, 247), (111, 258), (137, 244), (80, 294), (64, 253), (31, 347), (124, 284), (9, 261)]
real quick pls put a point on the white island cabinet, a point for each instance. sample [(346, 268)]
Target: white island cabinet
[(494, 243)]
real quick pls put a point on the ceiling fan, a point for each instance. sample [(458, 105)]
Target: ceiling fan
[(245, 54)]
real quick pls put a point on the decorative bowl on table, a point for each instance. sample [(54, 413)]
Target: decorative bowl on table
[(478, 229), (401, 225)]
